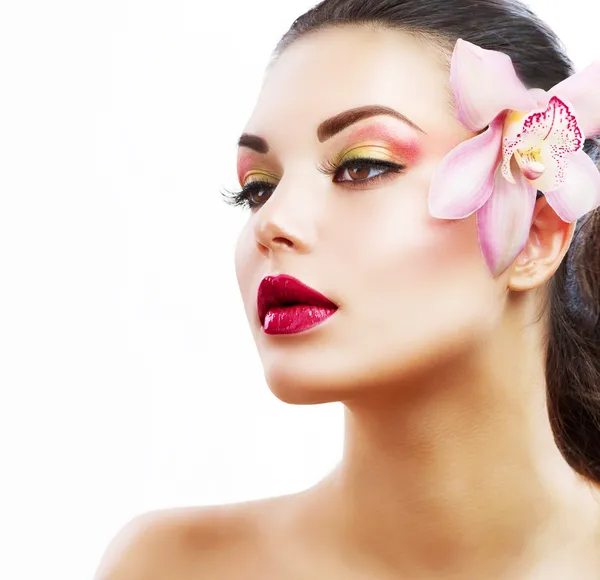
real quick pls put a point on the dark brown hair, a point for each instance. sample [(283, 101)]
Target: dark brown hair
[(573, 306)]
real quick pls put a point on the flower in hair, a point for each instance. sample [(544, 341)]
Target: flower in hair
[(533, 141)]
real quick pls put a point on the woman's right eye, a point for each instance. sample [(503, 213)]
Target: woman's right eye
[(254, 194)]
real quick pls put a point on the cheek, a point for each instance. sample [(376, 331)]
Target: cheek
[(391, 230), (411, 262), (419, 264), (419, 290)]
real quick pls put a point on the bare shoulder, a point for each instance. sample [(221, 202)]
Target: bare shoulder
[(185, 543), (143, 546)]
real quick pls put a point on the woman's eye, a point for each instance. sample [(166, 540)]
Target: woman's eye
[(259, 194), (363, 170), (360, 172), (255, 194)]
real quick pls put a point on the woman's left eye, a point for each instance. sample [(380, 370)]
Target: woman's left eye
[(362, 170)]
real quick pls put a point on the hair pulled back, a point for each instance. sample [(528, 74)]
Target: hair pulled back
[(573, 307)]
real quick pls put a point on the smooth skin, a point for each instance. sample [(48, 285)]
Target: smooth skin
[(450, 470)]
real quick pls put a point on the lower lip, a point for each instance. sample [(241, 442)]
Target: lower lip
[(295, 319)]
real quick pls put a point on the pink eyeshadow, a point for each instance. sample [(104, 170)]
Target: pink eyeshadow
[(245, 162), (402, 145)]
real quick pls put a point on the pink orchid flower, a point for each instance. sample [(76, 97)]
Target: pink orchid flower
[(533, 142)]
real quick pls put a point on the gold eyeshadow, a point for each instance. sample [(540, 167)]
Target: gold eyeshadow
[(358, 151), (258, 176)]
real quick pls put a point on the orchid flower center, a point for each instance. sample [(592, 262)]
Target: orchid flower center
[(530, 163), (540, 142)]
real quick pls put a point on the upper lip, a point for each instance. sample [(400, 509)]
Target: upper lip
[(286, 290)]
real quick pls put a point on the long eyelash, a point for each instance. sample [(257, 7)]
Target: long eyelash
[(241, 198), (234, 198), (332, 166)]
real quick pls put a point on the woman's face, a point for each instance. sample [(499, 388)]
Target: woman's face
[(412, 291)]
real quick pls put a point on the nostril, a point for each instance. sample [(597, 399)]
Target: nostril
[(283, 241)]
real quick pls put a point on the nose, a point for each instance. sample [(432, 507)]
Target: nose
[(287, 221)]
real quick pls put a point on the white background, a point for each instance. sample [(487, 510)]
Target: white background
[(129, 379)]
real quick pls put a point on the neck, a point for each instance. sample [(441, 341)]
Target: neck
[(461, 478)]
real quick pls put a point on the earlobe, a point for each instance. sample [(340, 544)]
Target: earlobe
[(548, 242)]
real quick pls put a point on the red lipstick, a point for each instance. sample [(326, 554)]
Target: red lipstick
[(287, 306)]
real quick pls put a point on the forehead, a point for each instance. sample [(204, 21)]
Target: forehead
[(336, 69)]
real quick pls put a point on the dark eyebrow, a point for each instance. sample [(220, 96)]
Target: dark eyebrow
[(332, 126), (254, 142)]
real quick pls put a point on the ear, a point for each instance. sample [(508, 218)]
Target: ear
[(548, 242)]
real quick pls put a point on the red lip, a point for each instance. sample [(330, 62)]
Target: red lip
[(287, 306)]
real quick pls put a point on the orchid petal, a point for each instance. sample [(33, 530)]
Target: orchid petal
[(554, 133), (581, 190), (464, 179), (541, 98), (556, 165), (504, 222), (485, 84), (583, 91), (541, 139)]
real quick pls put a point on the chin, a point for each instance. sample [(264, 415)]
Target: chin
[(302, 379), (320, 376), (402, 366)]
